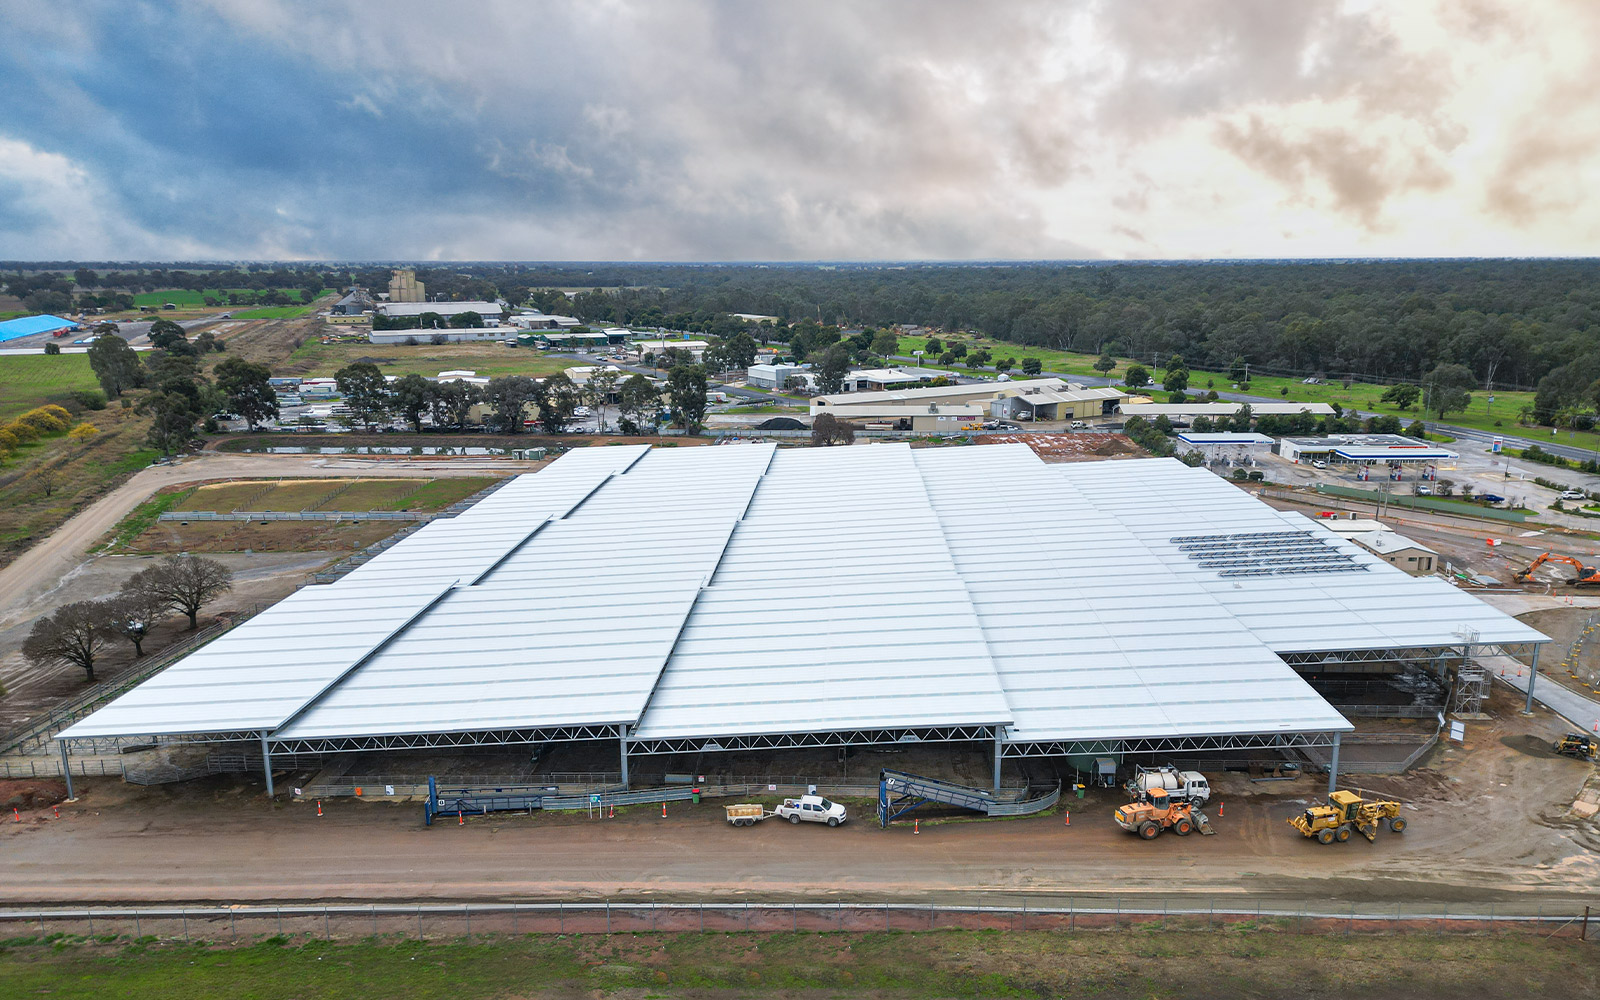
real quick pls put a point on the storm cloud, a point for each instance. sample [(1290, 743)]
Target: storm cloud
[(631, 129)]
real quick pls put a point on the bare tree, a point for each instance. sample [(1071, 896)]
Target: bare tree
[(47, 478), (74, 634), (597, 392), (187, 582), (135, 611)]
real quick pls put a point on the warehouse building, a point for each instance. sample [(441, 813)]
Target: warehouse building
[(490, 311), (1028, 399), (1186, 412), (966, 596)]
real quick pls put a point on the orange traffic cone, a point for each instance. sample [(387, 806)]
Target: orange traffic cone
[(663, 810), (16, 814), (319, 807), (56, 810), (1221, 806), (916, 827), (613, 811), (461, 819), (1069, 818)]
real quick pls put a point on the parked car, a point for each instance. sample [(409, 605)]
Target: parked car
[(1574, 495), (811, 809), (1319, 464), (1424, 491), (1491, 498)]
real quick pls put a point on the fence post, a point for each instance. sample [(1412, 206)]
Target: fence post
[(279, 909), (419, 921), (374, 920), (137, 932), (233, 927), (513, 919), (185, 915), (91, 922), (608, 916), (466, 908), (561, 918)]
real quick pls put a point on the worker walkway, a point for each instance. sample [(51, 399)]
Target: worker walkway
[(1583, 713), (899, 793)]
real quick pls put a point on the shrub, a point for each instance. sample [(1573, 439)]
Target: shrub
[(52, 348), (90, 399), (59, 412), (46, 423), (8, 440), (24, 433), (83, 432)]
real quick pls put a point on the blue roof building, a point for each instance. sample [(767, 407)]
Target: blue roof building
[(27, 326)]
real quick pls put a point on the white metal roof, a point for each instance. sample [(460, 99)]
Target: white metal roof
[(1221, 409), (698, 592)]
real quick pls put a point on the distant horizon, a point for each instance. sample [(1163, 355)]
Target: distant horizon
[(52, 264)]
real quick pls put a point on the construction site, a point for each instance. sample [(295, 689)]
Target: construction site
[(745, 672)]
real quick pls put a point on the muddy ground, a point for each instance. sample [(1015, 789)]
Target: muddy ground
[(1082, 447), (30, 690), (1489, 821)]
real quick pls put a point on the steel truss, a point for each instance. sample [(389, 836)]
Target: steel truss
[(119, 744), (1452, 651), (430, 741), (1168, 744), (792, 741)]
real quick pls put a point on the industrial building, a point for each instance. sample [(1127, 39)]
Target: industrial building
[(28, 326), (696, 348), (771, 376), (451, 334), (949, 595), (1186, 412), (490, 311), (404, 287), (1029, 399)]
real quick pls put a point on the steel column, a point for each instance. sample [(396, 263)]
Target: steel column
[(66, 770), (999, 751), (624, 744), (1333, 766), (266, 763), (1533, 675)]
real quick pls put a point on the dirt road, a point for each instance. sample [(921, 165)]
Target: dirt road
[(40, 568), (1489, 821)]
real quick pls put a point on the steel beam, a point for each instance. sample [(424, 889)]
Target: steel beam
[(999, 754), (433, 741), (623, 742), (266, 763), (66, 770), (1533, 675), (1333, 766)]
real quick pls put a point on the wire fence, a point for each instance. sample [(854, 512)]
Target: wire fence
[(441, 921)]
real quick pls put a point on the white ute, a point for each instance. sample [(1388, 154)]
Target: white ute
[(811, 809)]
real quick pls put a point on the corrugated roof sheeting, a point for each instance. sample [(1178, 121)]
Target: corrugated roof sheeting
[(1091, 635), (836, 606), (261, 673), (1380, 608), (573, 627), (742, 590)]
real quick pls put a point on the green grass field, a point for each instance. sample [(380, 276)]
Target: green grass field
[(29, 380), (1144, 962), (185, 298), (314, 358)]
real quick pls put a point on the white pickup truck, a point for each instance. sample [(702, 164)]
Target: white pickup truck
[(805, 809)]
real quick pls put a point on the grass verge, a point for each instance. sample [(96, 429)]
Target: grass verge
[(1146, 962), (141, 519)]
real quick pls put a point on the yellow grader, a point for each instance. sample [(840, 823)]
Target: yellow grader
[(1347, 812)]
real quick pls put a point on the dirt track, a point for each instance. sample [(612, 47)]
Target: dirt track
[(1488, 822), (40, 568)]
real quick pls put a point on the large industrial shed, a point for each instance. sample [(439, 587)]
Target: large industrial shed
[(746, 597)]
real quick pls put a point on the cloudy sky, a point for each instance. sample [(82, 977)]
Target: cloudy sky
[(665, 130)]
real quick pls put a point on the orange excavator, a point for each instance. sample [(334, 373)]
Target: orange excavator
[(1586, 575)]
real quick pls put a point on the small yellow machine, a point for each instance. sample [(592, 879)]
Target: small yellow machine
[(1577, 745), (1347, 812)]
